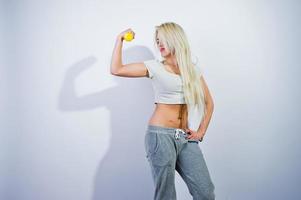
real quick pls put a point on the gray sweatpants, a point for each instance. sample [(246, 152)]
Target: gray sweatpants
[(167, 149)]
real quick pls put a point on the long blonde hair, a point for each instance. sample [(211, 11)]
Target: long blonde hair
[(174, 38)]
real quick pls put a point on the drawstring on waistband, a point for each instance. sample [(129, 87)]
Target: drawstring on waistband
[(178, 132)]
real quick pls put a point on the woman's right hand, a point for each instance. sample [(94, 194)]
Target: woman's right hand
[(121, 35)]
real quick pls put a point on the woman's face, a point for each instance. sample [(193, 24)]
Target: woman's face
[(163, 49)]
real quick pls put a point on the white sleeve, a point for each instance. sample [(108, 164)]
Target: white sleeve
[(150, 65), (199, 70)]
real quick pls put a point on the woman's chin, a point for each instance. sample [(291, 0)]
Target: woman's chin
[(164, 54)]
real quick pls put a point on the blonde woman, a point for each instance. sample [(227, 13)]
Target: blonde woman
[(179, 86)]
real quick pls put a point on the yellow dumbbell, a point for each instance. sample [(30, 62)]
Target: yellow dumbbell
[(128, 36)]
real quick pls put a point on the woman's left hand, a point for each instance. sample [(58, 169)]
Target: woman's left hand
[(194, 134)]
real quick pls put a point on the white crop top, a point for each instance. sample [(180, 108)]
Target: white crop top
[(168, 86)]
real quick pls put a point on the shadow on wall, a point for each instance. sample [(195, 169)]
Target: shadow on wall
[(123, 173)]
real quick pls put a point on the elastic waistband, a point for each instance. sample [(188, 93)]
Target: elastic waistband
[(176, 132), (163, 129)]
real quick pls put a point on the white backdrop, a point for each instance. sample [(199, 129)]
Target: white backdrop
[(71, 130)]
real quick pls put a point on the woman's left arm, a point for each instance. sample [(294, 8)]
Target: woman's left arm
[(209, 110), (199, 134)]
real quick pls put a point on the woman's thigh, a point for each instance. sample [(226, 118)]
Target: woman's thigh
[(159, 149), (193, 169)]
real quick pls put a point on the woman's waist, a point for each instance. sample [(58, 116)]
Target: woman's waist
[(169, 119)]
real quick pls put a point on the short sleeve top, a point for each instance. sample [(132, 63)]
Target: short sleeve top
[(168, 86)]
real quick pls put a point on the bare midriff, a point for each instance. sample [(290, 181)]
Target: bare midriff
[(169, 115)]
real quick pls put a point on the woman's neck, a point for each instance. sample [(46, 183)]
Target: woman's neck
[(170, 61)]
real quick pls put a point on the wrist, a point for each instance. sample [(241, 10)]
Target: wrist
[(200, 133), (120, 38)]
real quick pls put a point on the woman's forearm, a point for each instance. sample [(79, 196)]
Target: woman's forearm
[(206, 119), (116, 61)]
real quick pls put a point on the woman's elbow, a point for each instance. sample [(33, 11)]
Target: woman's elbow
[(114, 71)]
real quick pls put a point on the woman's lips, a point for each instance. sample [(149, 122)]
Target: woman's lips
[(161, 49)]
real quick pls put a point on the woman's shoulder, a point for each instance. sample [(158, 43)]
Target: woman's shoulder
[(152, 66), (153, 60), (198, 68)]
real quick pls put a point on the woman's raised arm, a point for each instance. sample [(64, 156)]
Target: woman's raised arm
[(128, 70)]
